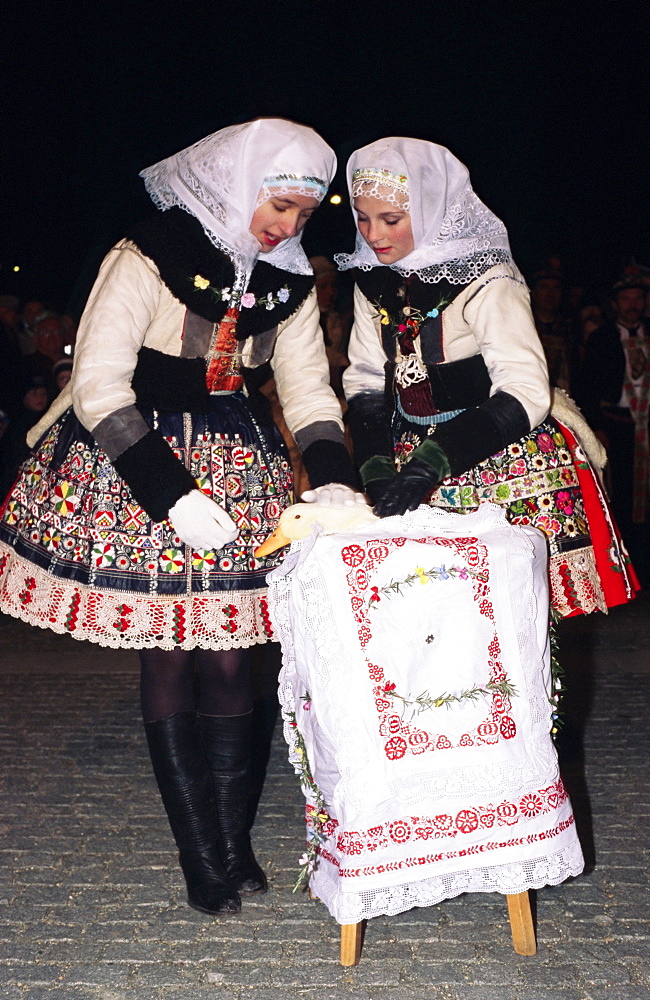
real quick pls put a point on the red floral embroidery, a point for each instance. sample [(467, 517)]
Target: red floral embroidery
[(400, 831), (507, 813), (353, 555), (531, 805), (507, 728), (395, 748), (466, 820)]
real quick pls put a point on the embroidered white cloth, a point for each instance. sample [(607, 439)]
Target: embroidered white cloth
[(424, 805)]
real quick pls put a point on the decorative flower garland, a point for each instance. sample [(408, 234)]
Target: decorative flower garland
[(425, 700), (247, 300), (318, 813), (423, 575), (557, 678)]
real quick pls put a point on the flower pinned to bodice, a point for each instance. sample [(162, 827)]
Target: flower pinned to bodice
[(246, 301)]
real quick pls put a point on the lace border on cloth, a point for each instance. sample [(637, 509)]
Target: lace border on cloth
[(228, 620), (575, 583), (509, 879)]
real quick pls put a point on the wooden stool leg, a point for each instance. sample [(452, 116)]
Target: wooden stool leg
[(351, 938), (521, 924)]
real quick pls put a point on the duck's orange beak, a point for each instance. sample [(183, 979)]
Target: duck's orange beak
[(272, 544)]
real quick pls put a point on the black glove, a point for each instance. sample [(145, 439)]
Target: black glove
[(376, 490), (428, 465), (407, 489)]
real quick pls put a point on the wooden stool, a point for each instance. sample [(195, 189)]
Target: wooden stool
[(521, 925)]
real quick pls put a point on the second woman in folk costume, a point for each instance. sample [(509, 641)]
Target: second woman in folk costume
[(152, 480), (447, 389)]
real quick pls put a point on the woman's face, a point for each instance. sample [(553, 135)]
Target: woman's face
[(385, 228), (280, 218)]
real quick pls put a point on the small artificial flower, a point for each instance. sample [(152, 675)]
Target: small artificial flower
[(420, 572), (225, 294), (433, 313), (388, 688), (200, 282), (385, 318), (248, 300), (406, 311), (402, 327), (283, 294)]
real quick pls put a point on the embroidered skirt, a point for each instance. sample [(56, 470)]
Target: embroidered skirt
[(79, 555), (544, 480)]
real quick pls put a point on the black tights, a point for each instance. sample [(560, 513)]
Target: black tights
[(171, 679)]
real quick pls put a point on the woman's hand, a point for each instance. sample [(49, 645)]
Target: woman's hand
[(408, 489), (200, 522), (333, 495)]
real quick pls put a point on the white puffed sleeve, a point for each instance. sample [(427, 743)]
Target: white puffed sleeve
[(121, 306), (301, 371), (366, 353), (499, 316)]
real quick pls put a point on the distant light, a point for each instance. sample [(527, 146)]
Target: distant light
[(16, 268), (335, 199)]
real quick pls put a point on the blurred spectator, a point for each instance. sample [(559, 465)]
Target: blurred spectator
[(49, 340), (13, 446), (335, 332), (62, 372), (11, 360), (31, 313), (69, 332), (588, 318), (552, 328), (614, 388)]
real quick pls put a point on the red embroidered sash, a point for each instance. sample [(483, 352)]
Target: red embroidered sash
[(223, 374)]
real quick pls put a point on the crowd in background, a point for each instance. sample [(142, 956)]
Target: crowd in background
[(595, 340)]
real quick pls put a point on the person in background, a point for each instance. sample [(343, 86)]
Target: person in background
[(613, 392), (32, 311), (34, 401), (62, 373), (49, 341), (551, 326), (11, 359), (334, 330)]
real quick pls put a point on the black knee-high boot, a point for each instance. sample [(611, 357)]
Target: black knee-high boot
[(187, 792), (227, 747)]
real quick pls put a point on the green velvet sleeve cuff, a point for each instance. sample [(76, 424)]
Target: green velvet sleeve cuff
[(377, 467), (432, 455)]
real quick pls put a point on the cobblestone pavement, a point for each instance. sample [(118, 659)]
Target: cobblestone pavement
[(92, 903)]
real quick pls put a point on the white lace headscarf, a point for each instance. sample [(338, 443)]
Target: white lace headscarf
[(223, 178), (456, 236)]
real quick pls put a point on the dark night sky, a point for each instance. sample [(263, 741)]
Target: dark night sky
[(544, 101)]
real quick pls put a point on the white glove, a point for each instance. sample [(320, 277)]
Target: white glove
[(334, 495), (202, 523)]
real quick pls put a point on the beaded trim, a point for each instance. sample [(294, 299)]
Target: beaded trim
[(388, 177)]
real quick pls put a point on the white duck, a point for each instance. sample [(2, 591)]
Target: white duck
[(297, 521)]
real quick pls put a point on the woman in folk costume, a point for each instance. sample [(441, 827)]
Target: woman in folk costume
[(152, 481), (448, 393)]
